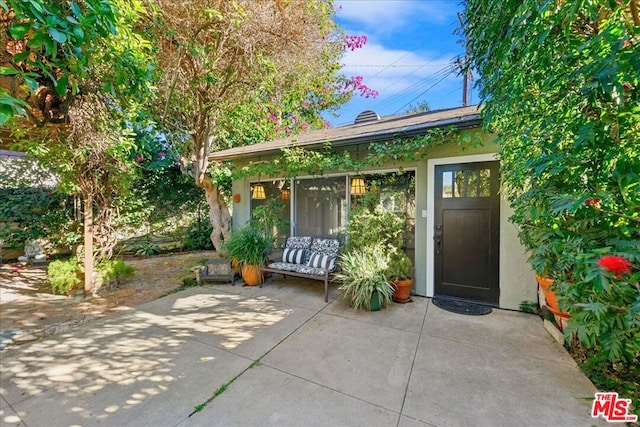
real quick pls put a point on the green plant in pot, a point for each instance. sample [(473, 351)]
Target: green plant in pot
[(268, 219), (400, 275), (364, 280), (250, 248)]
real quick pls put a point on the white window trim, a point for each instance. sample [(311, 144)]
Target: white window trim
[(431, 173)]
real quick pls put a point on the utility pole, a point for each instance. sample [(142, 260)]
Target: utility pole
[(467, 74)]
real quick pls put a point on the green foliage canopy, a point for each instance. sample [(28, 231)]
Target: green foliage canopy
[(560, 83)]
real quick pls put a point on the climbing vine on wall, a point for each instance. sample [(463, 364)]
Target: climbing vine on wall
[(296, 160)]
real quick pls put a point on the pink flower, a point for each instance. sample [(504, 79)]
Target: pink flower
[(162, 155), (355, 42), (139, 158), (615, 264)]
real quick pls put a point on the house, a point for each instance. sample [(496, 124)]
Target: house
[(456, 221)]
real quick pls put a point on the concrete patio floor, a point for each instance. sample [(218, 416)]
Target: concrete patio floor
[(279, 355)]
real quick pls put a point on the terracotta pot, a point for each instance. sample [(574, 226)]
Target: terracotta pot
[(235, 264), (552, 301), (251, 274), (402, 290)]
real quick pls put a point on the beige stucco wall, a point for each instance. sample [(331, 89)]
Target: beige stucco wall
[(241, 209), (516, 279)]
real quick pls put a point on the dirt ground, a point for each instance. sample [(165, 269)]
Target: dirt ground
[(28, 310)]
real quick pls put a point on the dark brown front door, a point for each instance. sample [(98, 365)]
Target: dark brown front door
[(467, 231)]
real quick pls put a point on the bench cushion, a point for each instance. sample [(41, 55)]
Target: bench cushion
[(298, 242), (294, 256), (284, 266), (326, 246), (297, 268), (313, 271), (321, 260)]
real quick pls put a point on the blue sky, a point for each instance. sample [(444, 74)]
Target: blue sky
[(409, 55)]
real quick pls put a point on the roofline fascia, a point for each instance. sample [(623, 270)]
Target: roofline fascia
[(403, 132)]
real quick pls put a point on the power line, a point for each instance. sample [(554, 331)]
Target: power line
[(401, 78), (390, 65), (423, 92), (418, 86)]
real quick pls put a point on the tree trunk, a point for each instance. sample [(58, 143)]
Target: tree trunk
[(88, 243), (219, 215)]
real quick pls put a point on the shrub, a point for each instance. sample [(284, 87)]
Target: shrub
[(267, 219), (249, 246), (372, 226), (63, 276), (148, 249), (198, 237), (189, 282), (400, 266), (113, 270), (603, 298), (363, 272)]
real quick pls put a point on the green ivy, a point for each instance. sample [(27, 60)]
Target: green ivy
[(295, 161), (561, 88), (31, 213)]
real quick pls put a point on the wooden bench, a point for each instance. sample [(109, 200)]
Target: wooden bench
[(217, 270), (307, 258)]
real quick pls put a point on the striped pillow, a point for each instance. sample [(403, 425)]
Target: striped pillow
[(294, 256), (320, 260)]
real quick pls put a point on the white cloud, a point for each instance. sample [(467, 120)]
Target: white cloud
[(390, 71), (388, 15), (408, 56), (400, 84)]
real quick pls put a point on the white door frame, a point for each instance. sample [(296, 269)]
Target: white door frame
[(431, 174)]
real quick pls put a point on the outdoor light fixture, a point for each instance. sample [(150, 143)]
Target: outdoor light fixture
[(285, 194), (258, 192), (357, 187)]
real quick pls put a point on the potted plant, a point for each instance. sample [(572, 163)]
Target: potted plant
[(251, 248), (551, 300), (364, 280), (400, 275)]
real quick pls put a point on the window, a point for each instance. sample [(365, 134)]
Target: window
[(274, 211), (320, 207), (394, 192), (466, 183)]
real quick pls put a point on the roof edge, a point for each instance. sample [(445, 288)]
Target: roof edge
[(466, 121)]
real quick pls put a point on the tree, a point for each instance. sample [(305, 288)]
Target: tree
[(560, 81), (240, 72), (420, 107), (76, 71)]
